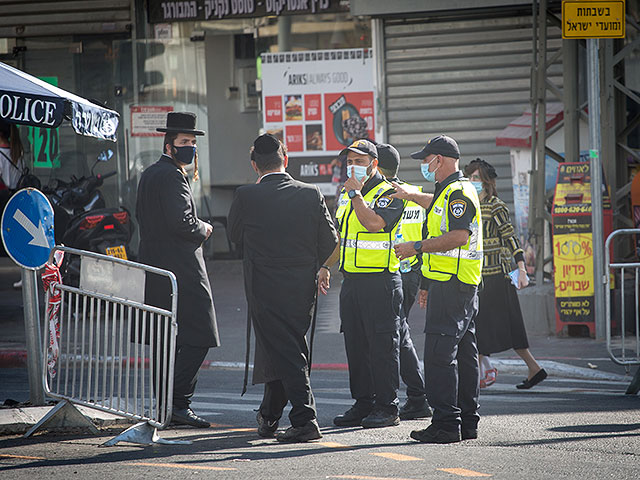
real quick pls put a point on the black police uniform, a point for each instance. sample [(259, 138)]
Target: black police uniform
[(370, 313), (411, 370), (450, 351)]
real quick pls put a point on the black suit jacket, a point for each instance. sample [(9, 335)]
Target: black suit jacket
[(287, 233)]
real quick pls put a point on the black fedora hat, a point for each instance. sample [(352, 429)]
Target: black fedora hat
[(181, 122)]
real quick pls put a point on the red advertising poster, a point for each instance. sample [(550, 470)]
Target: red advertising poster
[(273, 108), (312, 107), (294, 138), (347, 117)]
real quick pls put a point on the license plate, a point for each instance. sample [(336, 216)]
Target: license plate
[(118, 251)]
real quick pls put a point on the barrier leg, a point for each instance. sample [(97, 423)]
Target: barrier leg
[(63, 415), (143, 434), (634, 386)]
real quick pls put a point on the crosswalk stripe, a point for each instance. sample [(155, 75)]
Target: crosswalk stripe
[(397, 456), (463, 472), (178, 465)]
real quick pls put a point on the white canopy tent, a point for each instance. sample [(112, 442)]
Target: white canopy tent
[(27, 100)]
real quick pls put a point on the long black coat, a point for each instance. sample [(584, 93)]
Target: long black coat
[(171, 237), (287, 233)]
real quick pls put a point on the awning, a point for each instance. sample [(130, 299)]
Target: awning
[(518, 132), (27, 100)]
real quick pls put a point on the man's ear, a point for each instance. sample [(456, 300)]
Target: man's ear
[(255, 167), (285, 161)]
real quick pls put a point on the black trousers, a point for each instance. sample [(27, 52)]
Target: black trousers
[(411, 370), (185, 374), (370, 313), (188, 360), (451, 355), (296, 390)]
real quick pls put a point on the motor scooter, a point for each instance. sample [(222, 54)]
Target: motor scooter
[(82, 220)]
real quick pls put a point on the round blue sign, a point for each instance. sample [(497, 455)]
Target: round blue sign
[(27, 228)]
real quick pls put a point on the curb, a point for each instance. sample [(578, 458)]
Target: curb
[(558, 369), (18, 359)]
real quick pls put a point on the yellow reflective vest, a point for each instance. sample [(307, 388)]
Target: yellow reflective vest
[(362, 251), (464, 262), (413, 217)]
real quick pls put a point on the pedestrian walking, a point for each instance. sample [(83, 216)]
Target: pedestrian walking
[(499, 324), (287, 233), (371, 294), (413, 217), (171, 237), (452, 268)]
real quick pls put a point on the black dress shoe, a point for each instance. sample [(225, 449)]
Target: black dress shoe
[(266, 428), (415, 407), (527, 383), (432, 434), (309, 431), (380, 418), (185, 416), (351, 418)]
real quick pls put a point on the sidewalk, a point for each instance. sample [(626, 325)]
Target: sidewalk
[(575, 358)]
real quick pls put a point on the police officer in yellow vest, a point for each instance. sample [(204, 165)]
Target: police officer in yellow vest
[(452, 268), (371, 294), (413, 218)]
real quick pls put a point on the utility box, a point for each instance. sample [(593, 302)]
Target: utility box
[(573, 245)]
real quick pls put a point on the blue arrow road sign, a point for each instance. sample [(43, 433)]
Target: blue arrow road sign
[(27, 228)]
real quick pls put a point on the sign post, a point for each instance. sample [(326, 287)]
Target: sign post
[(28, 236), (593, 20)]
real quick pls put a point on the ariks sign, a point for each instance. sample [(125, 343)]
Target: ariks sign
[(34, 110), (162, 11)]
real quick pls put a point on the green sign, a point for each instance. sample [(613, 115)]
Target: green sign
[(45, 142)]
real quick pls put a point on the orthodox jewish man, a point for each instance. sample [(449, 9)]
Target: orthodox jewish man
[(171, 237), (287, 233)]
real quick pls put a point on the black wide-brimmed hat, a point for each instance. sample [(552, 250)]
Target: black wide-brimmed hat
[(181, 122)]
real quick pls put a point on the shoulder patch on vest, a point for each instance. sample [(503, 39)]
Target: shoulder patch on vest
[(383, 201), (457, 208)]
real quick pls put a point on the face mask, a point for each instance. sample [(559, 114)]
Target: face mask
[(358, 171), (185, 154), (478, 186), (429, 176)]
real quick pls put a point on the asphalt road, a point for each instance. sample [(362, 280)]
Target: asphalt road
[(574, 429)]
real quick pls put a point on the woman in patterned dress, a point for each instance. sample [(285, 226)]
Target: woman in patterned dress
[(499, 324)]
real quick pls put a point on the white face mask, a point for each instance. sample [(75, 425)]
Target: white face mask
[(428, 176), (358, 171)]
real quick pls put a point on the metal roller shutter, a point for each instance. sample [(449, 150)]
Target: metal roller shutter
[(466, 78), (37, 18)]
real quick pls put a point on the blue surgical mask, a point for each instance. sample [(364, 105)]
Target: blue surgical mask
[(429, 176), (359, 171), (185, 154), (478, 186)]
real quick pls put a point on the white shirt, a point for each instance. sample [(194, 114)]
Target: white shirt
[(9, 172)]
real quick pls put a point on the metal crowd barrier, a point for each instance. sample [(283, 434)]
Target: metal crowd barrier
[(625, 349), (114, 353)]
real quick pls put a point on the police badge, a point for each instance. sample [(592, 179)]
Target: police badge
[(383, 202), (457, 208)]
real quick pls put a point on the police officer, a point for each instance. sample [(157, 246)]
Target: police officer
[(371, 294), (413, 217), (453, 270)]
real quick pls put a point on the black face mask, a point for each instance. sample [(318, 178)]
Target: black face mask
[(185, 154)]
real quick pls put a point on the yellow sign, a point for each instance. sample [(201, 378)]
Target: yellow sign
[(573, 264), (587, 19)]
